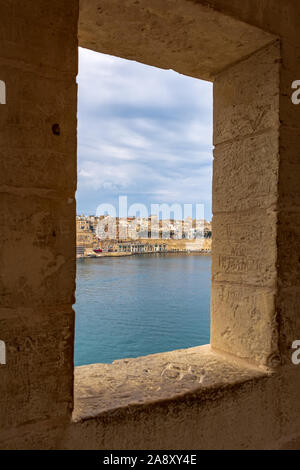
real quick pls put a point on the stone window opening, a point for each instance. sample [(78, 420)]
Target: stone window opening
[(236, 267), (198, 148), (242, 390)]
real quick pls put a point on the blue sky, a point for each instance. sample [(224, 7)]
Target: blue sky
[(142, 132)]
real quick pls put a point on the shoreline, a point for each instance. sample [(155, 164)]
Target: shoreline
[(122, 255)]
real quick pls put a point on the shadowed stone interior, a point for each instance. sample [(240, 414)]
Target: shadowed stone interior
[(102, 388), (242, 391)]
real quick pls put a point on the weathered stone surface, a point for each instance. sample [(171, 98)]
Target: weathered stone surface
[(101, 388), (239, 176), (289, 72), (245, 207), (26, 39), (27, 121), (289, 247), (39, 370), (30, 154), (254, 299), (238, 308), (175, 34), (244, 248), (234, 406), (288, 305), (38, 63), (290, 168), (30, 168), (37, 232), (255, 312), (247, 103)]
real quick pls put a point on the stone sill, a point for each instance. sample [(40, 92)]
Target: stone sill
[(200, 372)]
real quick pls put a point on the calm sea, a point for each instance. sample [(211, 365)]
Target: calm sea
[(139, 305)]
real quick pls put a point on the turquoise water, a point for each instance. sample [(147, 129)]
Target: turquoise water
[(138, 305)]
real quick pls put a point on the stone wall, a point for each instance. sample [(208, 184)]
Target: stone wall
[(38, 62), (251, 50), (281, 18), (255, 312), (246, 138)]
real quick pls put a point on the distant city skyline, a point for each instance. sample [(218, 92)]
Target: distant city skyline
[(142, 132)]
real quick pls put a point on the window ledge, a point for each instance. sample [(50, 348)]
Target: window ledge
[(128, 383)]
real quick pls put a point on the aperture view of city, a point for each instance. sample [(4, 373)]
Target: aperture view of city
[(143, 273), (106, 236)]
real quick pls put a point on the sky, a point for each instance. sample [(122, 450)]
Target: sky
[(144, 133)]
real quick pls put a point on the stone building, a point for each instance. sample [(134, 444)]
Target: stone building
[(241, 391), (86, 238), (142, 246)]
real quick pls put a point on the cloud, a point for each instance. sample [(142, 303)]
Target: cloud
[(142, 132)]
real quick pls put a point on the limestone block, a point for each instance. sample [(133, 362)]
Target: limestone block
[(287, 401), (246, 96), (244, 248), (28, 117), (36, 45), (140, 381), (57, 13), (37, 257), (34, 168), (289, 249), (38, 62), (31, 154), (289, 180), (288, 308), (239, 173), (36, 382), (178, 34), (175, 410), (244, 322)]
